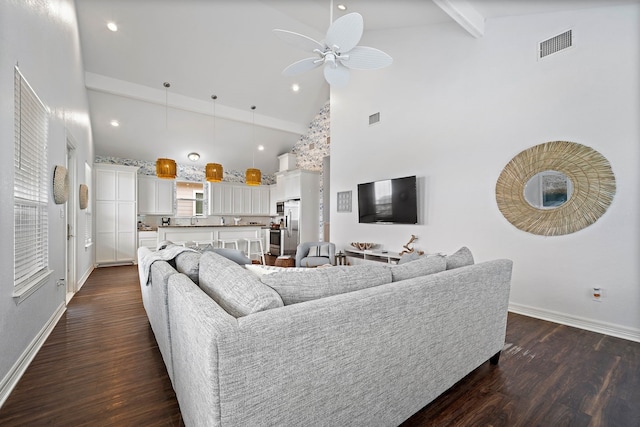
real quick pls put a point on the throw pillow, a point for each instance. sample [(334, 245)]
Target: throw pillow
[(314, 283), (189, 264), (420, 267), (460, 258), (320, 250), (234, 255), (236, 290)]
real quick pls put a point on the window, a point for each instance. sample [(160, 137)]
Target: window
[(31, 263)]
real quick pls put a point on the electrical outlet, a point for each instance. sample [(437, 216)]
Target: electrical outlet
[(596, 294)]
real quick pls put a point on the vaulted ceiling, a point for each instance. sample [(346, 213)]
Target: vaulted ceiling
[(226, 48)]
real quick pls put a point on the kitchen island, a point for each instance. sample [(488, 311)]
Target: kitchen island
[(212, 233)]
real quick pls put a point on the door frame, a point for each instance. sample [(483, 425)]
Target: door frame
[(71, 235)]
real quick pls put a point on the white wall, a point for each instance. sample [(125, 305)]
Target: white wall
[(42, 37), (455, 110)]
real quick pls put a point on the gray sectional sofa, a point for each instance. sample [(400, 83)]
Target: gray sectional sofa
[(354, 345)]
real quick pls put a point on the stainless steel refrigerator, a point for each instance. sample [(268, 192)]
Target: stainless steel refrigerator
[(291, 235)]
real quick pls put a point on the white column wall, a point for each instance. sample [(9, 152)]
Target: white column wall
[(455, 110), (42, 37)]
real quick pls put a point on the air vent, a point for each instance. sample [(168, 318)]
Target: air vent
[(374, 118), (555, 44)]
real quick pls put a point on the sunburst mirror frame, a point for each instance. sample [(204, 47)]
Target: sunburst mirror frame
[(594, 186)]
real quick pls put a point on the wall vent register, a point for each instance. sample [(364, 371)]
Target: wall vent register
[(555, 44)]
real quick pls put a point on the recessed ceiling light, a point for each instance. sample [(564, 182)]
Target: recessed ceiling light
[(295, 87), (193, 156), (342, 7), (112, 26), (261, 147), (114, 123)]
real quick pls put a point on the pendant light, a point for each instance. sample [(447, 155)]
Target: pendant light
[(166, 168), (253, 176), (214, 171)]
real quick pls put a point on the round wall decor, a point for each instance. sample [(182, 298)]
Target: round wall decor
[(60, 185), (84, 196), (590, 179)]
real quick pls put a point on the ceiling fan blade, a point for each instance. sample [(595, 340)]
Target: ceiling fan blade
[(366, 58), (301, 66), (345, 32), (298, 40), (336, 76)]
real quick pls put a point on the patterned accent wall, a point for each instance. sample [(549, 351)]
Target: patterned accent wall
[(312, 148), (185, 172)]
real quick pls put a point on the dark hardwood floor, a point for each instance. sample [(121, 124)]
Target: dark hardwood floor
[(101, 367)]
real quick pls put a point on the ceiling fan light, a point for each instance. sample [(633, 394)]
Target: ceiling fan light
[(214, 172), (253, 176), (166, 168)]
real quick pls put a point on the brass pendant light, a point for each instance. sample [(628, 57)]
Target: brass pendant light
[(253, 176), (166, 168), (214, 171)]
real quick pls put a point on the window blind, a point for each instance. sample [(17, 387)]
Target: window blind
[(30, 184)]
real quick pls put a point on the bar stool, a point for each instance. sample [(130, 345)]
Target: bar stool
[(224, 242), (260, 251), (204, 243)]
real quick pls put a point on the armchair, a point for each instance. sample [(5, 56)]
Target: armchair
[(321, 253)]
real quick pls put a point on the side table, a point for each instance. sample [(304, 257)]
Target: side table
[(285, 262)]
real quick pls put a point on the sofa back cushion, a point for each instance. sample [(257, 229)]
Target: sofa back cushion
[(189, 264), (300, 286), (235, 289), (234, 255), (420, 267), (462, 257)]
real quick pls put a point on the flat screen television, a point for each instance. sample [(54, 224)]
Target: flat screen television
[(390, 201)]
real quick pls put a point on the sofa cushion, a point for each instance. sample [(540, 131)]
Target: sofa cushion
[(235, 289), (408, 257), (189, 264), (460, 258), (234, 255), (420, 267), (318, 251), (300, 286), (260, 270)]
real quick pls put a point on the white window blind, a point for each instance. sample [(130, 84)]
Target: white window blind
[(30, 184)]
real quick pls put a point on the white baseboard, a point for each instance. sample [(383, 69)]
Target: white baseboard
[(84, 277), (614, 330), (9, 382)]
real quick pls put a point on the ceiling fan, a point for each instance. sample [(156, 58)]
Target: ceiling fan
[(338, 52)]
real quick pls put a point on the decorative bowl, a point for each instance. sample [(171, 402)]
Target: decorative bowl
[(362, 246)]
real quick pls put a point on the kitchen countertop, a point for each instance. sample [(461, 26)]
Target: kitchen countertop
[(214, 225)]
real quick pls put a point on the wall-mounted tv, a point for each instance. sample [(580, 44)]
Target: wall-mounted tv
[(390, 201)]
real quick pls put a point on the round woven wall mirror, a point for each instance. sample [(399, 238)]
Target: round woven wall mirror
[(555, 188)]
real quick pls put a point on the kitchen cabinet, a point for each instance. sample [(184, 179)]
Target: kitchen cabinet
[(155, 196), (296, 184), (115, 220), (260, 197), (148, 239), (238, 199)]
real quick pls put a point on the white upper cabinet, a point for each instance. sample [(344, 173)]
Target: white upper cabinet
[(155, 196), (238, 199), (297, 184)]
